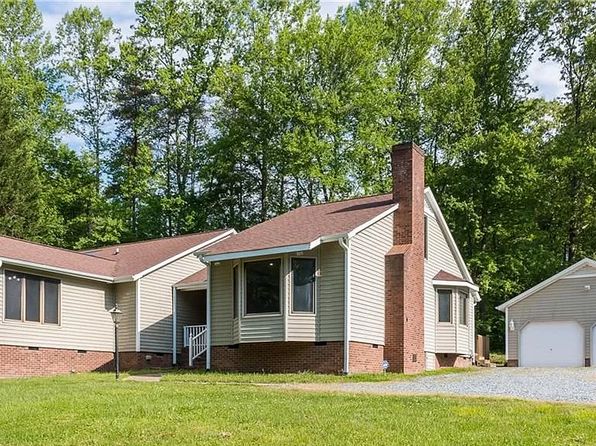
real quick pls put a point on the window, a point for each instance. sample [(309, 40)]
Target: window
[(31, 298), (303, 285), (463, 308), (425, 237), (235, 291), (444, 305), (263, 286), (14, 295)]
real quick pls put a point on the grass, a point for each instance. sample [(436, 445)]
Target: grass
[(93, 409), (294, 378), (497, 358)]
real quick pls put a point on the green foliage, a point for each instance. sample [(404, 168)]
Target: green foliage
[(225, 113)]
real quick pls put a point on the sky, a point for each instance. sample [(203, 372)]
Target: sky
[(544, 76)]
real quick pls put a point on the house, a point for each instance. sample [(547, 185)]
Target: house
[(554, 323), (359, 285), (54, 303)]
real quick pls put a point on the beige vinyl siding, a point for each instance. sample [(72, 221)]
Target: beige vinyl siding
[(325, 325), (85, 323), (367, 282), (262, 327), (330, 306), (301, 327), (190, 310), (587, 269), (438, 337), (221, 303), (156, 303), (126, 297), (463, 331), (564, 300)]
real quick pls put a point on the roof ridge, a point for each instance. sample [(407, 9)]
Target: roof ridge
[(45, 245), (341, 201), (87, 251)]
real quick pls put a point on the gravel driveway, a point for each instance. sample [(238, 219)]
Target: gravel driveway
[(565, 385)]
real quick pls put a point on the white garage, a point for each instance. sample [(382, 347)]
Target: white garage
[(554, 323), (551, 344)]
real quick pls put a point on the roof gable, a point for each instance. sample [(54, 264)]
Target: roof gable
[(436, 211), (124, 262), (577, 270), (140, 258)]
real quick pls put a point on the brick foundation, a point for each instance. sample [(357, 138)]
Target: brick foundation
[(18, 361), (512, 363), (452, 360), (144, 360), (279, 357), (366, 358), (292, 357)]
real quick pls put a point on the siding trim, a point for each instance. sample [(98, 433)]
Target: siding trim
[(174, 323), (138, 316), (208, 317), (345, 244), (52, 269), (561, 275), (183, 254)]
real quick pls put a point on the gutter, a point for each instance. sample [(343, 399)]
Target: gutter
[(345, 244)]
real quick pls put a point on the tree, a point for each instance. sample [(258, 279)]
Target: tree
[(86, 43), (567, 170)]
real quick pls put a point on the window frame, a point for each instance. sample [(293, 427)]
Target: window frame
[(463, 295), (438, 313), (42, 282), (425, 237), (244, 293), (315, 291), (236, 291)]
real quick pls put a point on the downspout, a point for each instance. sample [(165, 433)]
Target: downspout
[(507, 336), (344, 242), (208, 315), (138, 315), (174, 323)]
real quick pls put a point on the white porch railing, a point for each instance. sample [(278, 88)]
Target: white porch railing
[(195, 338)]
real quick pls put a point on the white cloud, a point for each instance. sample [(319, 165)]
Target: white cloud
[(546, 76)]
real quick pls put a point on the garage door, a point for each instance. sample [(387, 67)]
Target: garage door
[(552, 344), (593, 357)]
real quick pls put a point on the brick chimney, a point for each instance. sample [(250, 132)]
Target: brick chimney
[(404, 264)]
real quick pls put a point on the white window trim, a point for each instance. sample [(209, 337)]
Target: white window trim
[(23, 320), (238, 293), (466, 296), (451, 306), (316, 294), (246, 315)]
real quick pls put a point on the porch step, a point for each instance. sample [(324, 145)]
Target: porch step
[(199, 363)]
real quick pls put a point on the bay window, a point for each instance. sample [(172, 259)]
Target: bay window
[(463, 308), (444, 305), (303, 285), (263, 286)]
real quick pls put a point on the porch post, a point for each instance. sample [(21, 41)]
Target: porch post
[(174, 323), (208, 310)]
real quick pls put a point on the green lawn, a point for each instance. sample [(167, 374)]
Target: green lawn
[(93, 409), (295, 378)]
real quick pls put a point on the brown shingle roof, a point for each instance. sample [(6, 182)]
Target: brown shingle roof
[(136, 257), (306, 224), (132, 258), (15, 249), (198, 277), (444, 275)]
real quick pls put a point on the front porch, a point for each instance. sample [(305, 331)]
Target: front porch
[(190, 337)]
